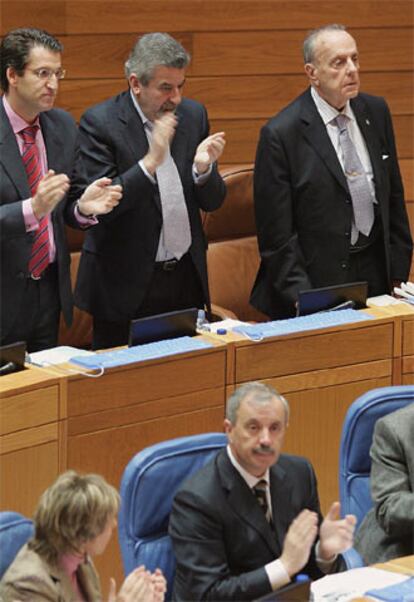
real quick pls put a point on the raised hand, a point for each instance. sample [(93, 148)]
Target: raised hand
[(137, 587), (298, 541), (208, 151), (162, 135), (50, 191), (100, 197), (336, 534)]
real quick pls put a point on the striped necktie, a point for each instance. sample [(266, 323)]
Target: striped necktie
[(259, 491), (39, 255)]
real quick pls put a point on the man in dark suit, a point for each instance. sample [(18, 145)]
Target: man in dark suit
[(247, 522), (149, 257), (329, 199), (387, 531), (41, 189)]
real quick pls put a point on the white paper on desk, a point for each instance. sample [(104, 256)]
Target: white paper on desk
[(382, 301), (341, 587), (228, 324), (56, 355)]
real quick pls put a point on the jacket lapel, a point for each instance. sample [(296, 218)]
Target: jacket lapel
[(281, 493), (134, 134), (10, 156), (243, 502), (315, 132)]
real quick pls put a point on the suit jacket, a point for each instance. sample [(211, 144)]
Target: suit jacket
[(31, 579), (388, 529), (61, 140), (119, 253), (303, 205), (220, 535)]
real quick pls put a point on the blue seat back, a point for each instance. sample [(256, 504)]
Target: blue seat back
[(15, 531), (148, 487), (357, 432)]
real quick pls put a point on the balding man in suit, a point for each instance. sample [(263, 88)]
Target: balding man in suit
[(328, 194)]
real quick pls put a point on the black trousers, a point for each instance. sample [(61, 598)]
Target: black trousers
[(37, 320), (369, 265), (169, 290)]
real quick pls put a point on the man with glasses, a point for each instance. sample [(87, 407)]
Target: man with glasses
[(42, 188), (149, 255)]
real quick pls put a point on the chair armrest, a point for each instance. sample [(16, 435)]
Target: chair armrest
[(222, 313), (352, 559)]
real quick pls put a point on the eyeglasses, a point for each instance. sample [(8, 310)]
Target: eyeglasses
[(47, 74)]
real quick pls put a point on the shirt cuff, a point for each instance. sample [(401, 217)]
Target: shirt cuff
[(30, 220), (277, 574), (325, 565), (146, 172), (200, 179), (83, 220)]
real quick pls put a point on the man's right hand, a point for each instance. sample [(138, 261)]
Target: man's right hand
[(50, 191), (298, 541), (162, 135)]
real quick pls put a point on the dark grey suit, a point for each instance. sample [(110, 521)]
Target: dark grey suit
[(388, 529), (61, 140), (220, 535), (303, 205), (118, 256)]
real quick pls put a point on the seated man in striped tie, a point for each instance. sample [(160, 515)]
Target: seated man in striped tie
[(42, 188), (249, 521)]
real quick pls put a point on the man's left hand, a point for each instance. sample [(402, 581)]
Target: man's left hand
[(209, 151), (100, 197), (336, 535)]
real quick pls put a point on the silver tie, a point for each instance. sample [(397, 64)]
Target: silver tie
[(176, 231), (362, 202)]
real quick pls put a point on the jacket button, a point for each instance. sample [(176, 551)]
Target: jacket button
[(344, 265), (20, 275)]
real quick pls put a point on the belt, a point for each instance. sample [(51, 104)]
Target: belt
[(48, 274), (166, 266)]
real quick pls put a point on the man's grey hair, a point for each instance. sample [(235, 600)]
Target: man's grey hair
[(153, 50), (310, 40), (260, 392)]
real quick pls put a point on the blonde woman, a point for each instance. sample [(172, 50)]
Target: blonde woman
[(74, 522)]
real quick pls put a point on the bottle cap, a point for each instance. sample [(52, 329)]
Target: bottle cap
[(221, 331)]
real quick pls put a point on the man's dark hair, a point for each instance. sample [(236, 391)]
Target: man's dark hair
[(16, 46)]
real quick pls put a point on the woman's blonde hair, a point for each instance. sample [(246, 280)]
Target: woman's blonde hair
[(73, 510)]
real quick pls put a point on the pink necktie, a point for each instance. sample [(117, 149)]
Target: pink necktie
[(39, 256)]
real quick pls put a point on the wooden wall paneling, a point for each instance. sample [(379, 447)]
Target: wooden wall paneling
[(106, 16), (315, 428), (45, 14), (29, 409), (266, 52), (155, 379), (25, 474), (102, 56), (248, 97), (407, 172), (294, 354)]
